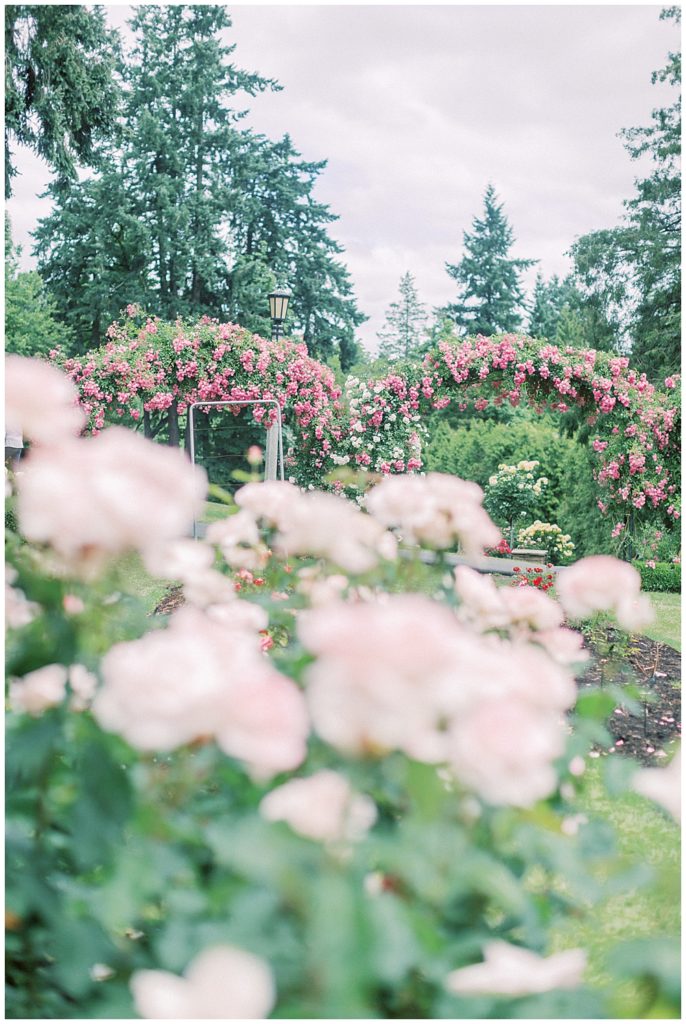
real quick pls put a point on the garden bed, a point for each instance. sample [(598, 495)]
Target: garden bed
[(654, 670)]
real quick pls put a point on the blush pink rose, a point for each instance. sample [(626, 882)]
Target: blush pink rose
[(601, 583), (41, 401), (322, 806), (509, 970), (221, 983), (103, 495)]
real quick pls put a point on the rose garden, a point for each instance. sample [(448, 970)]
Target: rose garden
[(296, 768), (342, 663)]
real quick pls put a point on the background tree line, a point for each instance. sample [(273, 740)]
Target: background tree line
[(185, 210)]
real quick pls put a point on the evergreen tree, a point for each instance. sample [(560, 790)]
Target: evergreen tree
[(60, 94), (402, 333), (31, 327), (277, 221), (633, 272), (207, 215), (491, 293), (549, 298), (562, 315)]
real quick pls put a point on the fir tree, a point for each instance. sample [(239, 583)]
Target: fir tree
[(191, 213), (402, 333), (60, 94), (491, 293)]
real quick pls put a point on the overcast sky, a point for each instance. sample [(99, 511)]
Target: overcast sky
[(416, 108)]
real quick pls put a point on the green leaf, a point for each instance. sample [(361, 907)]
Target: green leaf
[(102, 807)]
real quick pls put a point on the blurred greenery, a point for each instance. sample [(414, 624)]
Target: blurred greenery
[(645, 835), (667, 626)]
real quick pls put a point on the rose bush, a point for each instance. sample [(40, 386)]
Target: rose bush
[(375, 815), (558, 546), (149, 371)]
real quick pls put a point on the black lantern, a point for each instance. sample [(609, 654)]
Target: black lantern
[(278, 307)]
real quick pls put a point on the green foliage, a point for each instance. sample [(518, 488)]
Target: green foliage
[(403, 331), (565, 317), (473, 451), (491, 296), (662, 577), (667, 626), (61, 98), (633, 272), (512, 493), (31, 324)]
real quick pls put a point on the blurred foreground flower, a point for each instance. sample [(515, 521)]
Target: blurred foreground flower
[(406, 675), (512, 971), (438, 510), (323, 525), (221, 982), (662, 785), (601, 583), (103, 495), (322, 806), (40, 401), (201, 678)]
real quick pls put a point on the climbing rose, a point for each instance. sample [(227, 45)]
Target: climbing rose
[(222, 982), (322, 806), (509, 970), (40, 401)]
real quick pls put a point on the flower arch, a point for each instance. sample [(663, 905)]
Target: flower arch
[(149, 371), (635, 426)]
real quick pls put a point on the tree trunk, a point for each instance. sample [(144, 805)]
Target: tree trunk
[(173, 423), (147, 427)]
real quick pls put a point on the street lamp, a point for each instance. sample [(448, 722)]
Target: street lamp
[(278, 307)]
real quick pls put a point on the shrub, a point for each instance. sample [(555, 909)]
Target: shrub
[(549, 537), (660, 576)]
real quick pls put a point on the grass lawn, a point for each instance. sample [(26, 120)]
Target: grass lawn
[(645, 835), (667, 625)]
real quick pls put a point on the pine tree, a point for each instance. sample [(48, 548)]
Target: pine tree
[(549, 297), (60, 95), (405, 323), (491, 293), (563, 316)]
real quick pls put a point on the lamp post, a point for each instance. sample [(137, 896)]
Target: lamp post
[(278, 307)]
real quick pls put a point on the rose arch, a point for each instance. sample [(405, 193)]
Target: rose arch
[(149, 371), (634, 426)]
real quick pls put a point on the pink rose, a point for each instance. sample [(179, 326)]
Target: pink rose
[(98, 496), (41, 401), (221, 982), (603, 583)]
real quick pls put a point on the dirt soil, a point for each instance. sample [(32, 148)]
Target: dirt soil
[(654, 669)]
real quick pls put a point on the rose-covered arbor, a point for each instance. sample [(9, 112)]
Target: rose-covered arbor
[(149, 371), (634, 425)]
